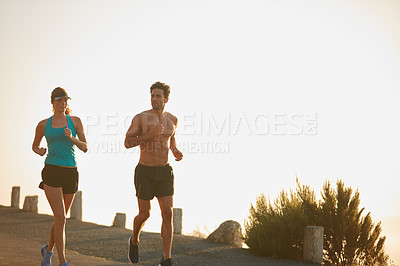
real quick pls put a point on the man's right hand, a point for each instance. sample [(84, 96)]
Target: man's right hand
[(156, 130)]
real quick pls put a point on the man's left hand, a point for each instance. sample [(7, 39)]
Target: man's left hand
[(177, 154)]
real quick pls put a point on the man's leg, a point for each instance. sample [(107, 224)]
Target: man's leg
[(140, 219), (166, 205)]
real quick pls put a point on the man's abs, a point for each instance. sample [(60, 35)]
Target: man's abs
[(153, 153)]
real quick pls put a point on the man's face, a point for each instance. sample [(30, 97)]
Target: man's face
[(157, 99)]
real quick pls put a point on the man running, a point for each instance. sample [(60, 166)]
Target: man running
[(154, 131)]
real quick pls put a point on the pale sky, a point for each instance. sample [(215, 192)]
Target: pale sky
[(263, 90)]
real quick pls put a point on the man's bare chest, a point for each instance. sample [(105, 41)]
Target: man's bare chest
[(149, 121)]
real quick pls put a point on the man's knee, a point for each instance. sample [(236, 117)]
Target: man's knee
[(144, 215), (167, 214)]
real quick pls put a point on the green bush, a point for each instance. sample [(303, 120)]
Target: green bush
[(349, 238), (277, 230)]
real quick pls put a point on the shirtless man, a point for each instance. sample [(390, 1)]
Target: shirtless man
[(154, 131)]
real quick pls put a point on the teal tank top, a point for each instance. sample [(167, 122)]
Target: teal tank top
[(61, 151)]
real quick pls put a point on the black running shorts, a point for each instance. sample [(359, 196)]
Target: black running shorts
[(57, 176), (153, 181)]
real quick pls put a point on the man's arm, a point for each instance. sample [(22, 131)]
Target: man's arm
[(172, 144), (133, 137)]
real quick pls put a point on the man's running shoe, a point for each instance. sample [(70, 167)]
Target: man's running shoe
[(133, 253), (167, 262)]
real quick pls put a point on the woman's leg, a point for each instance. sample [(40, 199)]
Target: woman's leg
[(56, 200), (68, 199), (51, 244)]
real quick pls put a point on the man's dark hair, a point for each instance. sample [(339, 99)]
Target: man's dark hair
[(162, 86)]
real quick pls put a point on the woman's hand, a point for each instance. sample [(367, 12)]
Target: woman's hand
[(68, 132), (41, 151)]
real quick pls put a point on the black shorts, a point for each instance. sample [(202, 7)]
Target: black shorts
[(153, 181), (57, 176)]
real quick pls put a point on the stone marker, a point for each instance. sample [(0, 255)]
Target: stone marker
[(177, 220), (31, 204), (15, 197), (119, 220), (229, 232), (76, 208), (313, 243)]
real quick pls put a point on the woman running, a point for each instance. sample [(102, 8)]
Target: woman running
[(60, 174)]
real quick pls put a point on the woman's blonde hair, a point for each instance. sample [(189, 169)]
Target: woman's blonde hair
[(60, 92)]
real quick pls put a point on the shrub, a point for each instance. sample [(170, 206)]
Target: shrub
[(277, 230), (349, 238)]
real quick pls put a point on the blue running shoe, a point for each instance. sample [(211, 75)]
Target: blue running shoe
[(46, 256)]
